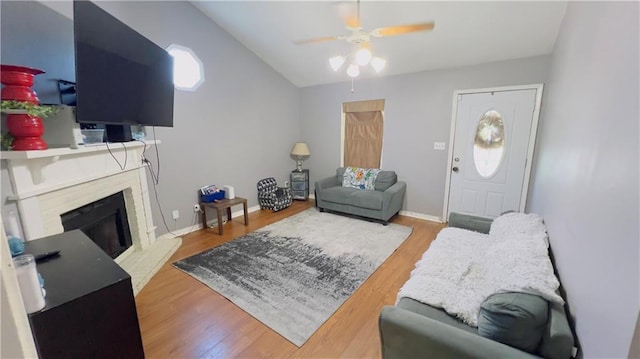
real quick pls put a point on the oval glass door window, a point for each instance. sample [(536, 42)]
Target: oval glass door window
[(488, 144)]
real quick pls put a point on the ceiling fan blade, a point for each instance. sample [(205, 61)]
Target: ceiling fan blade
[(348, 13), (317, 40), (352, 22), (402, 29)]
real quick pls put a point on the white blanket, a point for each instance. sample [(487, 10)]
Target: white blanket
[(462, 268)]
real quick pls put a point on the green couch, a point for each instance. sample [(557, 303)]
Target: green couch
[(380, 204), (415, 330)]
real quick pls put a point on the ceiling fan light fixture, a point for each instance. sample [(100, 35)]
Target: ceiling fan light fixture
[(353, 70), (378, 64), (363, 56), (336, 62)]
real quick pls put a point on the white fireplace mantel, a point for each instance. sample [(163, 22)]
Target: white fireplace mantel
[(48, 183)]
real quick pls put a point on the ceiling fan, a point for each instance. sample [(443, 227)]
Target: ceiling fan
[(358, 35), (359, 39)]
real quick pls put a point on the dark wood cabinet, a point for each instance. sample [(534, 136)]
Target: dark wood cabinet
[(300, 184), (90, 310)]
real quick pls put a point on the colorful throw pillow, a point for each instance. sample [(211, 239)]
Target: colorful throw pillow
[(361, 178)]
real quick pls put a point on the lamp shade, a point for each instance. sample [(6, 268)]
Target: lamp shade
[(378, 63), (336, 62), (300, 149), (363, 56), (353, 70), (300, 152)]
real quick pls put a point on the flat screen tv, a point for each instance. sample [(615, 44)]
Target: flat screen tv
[(122, 78)]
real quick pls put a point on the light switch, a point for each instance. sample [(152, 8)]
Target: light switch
[(438, 145)]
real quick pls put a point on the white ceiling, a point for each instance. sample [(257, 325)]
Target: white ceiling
[(465, 33)]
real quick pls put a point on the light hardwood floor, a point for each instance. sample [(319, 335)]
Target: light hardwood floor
[(182, 318)]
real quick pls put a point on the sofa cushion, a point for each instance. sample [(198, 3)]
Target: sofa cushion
[(468, 222), (366, 199), (353, 197), (340, 175), (385, 180), (434, 313), (515, 319)]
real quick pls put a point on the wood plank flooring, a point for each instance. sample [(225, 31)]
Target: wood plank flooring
[(182, 318)]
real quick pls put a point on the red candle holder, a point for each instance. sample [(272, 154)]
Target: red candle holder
[(26, 130)]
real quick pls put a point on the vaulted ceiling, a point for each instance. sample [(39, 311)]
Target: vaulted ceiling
[(465, 33)]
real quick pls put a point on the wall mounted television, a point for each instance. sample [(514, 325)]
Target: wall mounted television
[(122, 78)]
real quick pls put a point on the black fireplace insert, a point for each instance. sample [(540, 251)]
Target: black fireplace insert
[(104, 221)]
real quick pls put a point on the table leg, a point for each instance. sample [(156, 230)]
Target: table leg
[(228, 214), (204, 216), (220, 230), (246, 215)]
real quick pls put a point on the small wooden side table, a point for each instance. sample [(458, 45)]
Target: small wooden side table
[(219, 206)]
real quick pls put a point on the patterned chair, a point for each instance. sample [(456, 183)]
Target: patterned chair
[(272, 197)]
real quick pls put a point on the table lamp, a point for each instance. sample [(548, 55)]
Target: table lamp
[(300, 152)]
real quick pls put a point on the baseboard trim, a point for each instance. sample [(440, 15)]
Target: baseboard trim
[(421, 216), (213, 222), (179, 232), (198, 226), (239, 213), (250, 209)]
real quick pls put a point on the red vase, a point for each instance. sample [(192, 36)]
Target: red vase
[(26, 130), (17, 81)]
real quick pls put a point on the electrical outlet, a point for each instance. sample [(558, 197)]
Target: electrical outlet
[(438, 145), (175, 214), (196, 207)]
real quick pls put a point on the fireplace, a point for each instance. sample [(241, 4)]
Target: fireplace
[(104, 221), (53, 183)]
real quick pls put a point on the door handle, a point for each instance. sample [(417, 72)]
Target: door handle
[(455, 169)]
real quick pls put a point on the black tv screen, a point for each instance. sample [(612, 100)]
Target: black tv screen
[(122, 78)]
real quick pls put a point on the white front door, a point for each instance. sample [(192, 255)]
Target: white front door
[(492, 146)]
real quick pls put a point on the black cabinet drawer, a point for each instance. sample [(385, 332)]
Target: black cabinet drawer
[(298, 176), (298, 186), (299, 194)]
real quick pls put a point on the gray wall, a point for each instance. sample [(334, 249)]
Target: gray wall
[(417, 113), (237, 128), (585, 181), (45, 42)]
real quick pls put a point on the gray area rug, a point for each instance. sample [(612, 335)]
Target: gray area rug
[(294, 274)]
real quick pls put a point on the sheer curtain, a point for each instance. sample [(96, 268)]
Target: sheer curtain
[(363, 127)]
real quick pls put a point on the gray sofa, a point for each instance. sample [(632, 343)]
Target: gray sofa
[(381, 204), (412, 329)]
